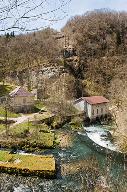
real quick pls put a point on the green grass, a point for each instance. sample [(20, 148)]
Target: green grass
[(39, 117), (20, 128), (39, 134), (39, 105), (76, 123), (9, 113), (4, 156), (30, 162), (6, 89), (44, 139), (2, 127)]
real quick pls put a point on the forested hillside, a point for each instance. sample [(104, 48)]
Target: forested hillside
[(98, 68), (24, 53), (100, 39)]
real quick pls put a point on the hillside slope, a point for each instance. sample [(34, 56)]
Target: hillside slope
[(100, 39)]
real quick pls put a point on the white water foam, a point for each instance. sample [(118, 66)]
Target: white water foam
[(100, 137)]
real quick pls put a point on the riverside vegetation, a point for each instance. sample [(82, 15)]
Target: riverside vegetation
[(39, 131)]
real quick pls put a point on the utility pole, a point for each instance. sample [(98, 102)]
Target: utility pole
[(36, 128), (28, 125), (6, 118)]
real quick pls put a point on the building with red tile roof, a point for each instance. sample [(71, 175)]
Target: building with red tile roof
[(94, 106), (93, 100)]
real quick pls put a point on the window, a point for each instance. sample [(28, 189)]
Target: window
[(97, 111), (101, 110), (93, 112), (24, 100)]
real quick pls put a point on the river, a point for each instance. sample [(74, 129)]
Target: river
[(73, 172)]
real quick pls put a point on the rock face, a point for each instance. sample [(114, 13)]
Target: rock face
[(45, 80)]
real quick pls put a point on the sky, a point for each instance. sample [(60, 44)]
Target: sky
[(79, 7), (32, 15)]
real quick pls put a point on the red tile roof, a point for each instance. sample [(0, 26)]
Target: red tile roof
[(21, 92), (96, 100)]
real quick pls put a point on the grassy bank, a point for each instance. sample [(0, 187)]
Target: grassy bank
[(10, 114), (5, 89), (27, 136), (43, 166), (36, 134)]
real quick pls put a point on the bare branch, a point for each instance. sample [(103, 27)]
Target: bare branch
[(29, 15)]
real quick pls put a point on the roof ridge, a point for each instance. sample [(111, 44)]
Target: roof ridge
[(93, 99), (21, 91), (96, 99)]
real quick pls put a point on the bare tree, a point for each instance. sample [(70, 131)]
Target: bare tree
[(6, 107), (23, 14), (118, 94)]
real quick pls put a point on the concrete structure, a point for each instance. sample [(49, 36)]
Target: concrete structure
[(21, 100), (94, 106)]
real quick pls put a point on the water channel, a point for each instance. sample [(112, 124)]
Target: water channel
[(72, 174)]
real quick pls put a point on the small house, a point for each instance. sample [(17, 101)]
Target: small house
[(21, 100), (94, 106)]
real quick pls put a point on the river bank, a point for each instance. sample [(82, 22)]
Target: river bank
[(101, 140), (27, 164), (78, 165)]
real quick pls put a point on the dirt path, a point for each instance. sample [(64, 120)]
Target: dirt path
[(25, 118), (22, 119), (19, 120)]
